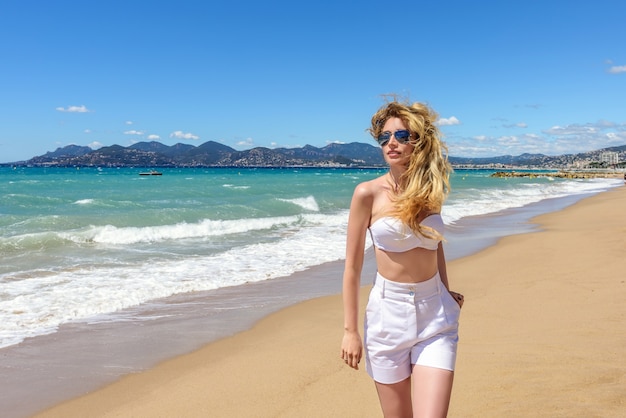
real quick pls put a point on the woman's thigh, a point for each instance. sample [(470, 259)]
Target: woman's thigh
[(432, 388), (395, 398)]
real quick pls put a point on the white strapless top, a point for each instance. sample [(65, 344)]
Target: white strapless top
[(390, 234)]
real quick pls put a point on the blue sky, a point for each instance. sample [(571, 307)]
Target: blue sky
[(506, 77)]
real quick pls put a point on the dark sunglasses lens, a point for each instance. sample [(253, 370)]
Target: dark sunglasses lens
[(402, 136), (383, 138)]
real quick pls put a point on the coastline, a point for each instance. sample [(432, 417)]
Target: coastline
[(564, 174), (537, 339)]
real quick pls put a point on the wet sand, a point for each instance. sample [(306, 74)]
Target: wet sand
[(541, 335)]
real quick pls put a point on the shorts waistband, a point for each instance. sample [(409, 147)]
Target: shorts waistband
[(423, 289)]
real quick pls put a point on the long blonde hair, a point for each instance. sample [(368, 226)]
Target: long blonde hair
[(426, 182)]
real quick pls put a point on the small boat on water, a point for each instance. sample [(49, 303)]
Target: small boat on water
[(151, 173)]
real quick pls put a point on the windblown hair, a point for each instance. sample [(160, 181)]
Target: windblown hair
[(426, 182)]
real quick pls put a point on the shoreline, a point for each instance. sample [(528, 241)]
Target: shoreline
[(537, 338), (516, 221), (564, 174)]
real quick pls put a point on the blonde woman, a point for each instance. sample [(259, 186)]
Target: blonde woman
[(411, 319)]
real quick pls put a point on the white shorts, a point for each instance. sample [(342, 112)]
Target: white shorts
[(407, 324)]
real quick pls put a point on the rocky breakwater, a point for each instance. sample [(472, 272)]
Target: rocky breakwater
[(562, 174)]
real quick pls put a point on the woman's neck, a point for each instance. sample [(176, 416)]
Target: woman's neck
[(396, 180)]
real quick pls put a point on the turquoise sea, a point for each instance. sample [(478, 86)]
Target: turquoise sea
[(80, 243), (83, 249)]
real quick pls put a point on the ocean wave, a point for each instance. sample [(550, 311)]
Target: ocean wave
[(40, 303), (232, 186), (110, 234), (307, 203), (38, 241), (113, 235), (473, 202), (84, 202)]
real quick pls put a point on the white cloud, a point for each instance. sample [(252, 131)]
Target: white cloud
[(470, 149), (574, 129), (590, 136), (248, 142), (133, 132), (183, 135), (95, 145), (154, 137), (508, 140), (87, 131), (557, 140), (515, 125), (129, 122), (452, 120), (74, 109), (617, 69)]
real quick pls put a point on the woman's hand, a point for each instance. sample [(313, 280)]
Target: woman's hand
[(351, 349), (458, 298)]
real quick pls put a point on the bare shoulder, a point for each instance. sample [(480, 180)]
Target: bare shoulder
[(368, 190), (369, 197), (364, 189), (371, 187)]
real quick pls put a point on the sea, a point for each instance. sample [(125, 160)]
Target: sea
[(100, 256)]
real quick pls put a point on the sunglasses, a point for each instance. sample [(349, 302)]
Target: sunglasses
[(403, 136)]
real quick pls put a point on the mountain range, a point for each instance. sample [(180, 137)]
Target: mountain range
[(214, 154)]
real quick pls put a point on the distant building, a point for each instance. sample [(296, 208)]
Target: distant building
[(610, 158)]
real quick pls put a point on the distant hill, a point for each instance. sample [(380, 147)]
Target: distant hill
[(210, 154), (214, 154), (591, 158), (68, 151)]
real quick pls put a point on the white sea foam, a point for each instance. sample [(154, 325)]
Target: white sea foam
[(206, 228), (482, 202), (41, 303), (307, 203), (84, 202), (232, 186)]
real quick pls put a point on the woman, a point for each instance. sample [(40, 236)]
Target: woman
[(411, 319)]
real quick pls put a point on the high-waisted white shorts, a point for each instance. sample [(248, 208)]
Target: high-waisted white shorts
[(407, 324)]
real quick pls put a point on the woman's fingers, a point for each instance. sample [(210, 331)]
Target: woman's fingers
[(351, 360), (459, 298)]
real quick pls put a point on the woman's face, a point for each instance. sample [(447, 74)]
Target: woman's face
[(394, 152)]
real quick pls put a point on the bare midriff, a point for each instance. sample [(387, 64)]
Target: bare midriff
[(413, 266)]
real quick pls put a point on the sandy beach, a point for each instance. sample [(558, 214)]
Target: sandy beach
[(542, 335)]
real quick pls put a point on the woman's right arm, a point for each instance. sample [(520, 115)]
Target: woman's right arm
[(358, 221)]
